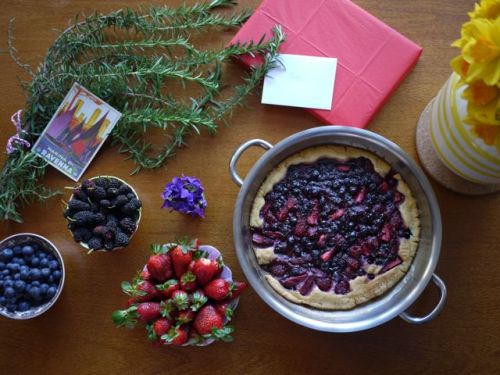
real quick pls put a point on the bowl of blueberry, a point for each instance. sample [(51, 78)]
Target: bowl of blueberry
[(31, 275), (103, 213)]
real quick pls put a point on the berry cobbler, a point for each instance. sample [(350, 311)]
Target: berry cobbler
[(334, 227)]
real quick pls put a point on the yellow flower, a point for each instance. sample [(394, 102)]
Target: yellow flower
[(486, 114), (481, 50), (480, 94), (489, 134), (489, 9)]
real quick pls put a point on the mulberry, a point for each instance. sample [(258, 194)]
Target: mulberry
[(84, 218), (120, 200), (77, 205), (82, 234), (95, 243), (121, 239), (128, 225)]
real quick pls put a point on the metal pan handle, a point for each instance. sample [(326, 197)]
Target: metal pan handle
[(239, 151), (435, 312)]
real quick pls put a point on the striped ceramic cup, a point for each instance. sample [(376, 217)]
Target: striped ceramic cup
[(458, 148)]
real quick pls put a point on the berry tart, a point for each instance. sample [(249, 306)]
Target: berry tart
[(334, 227)]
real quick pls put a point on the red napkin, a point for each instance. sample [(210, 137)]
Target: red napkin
[(372, 57)]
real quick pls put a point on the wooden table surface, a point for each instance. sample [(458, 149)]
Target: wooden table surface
[(77, 335)]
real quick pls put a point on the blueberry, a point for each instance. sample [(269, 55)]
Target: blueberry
[(43, 288), (7, 254), (9, 292), (2, 266), (17, 276), (17, 250), (44, 262), (24, 274), (56, 275), (50, 257), (35, 261), (28, 250), (45, 272), (8, 283), (35, 283), (11, 307), (53, 265), (13, 267), (41, 254), (51, 292), (19, 285), (35, 274), (34, 292), (1, 283), (3, 300), (23, 306)]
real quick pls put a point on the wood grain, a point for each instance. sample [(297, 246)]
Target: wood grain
[(77, 335)]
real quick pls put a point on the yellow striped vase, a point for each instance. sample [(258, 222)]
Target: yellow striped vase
[(458, 148)]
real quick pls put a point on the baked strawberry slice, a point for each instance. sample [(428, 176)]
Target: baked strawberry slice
[(261, 240), (390, 265), (321, 240), (292, 281), (313, 217), (386, 232), (360, 197), (206, 269), (326, 256), (300, 228), (337, 213)]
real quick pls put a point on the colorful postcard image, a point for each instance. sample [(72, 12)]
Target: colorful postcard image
[(76, 132)]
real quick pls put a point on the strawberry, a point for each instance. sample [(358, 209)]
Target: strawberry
[(218, 289), (198, 299), (160, 267), (205, 270), (209, 323), (237, 288), (177, 335), (148, 311), (161, 326), (168, 287), (207, 319), (145, 275), (185, 316), (145, 312), (224, 309), (180, 299), (188, 282), (140, 290), (182, 255)]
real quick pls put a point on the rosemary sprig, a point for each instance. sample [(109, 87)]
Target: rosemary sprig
[(129, 58)]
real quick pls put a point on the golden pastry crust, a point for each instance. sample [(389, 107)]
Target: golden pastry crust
[(362, 289)]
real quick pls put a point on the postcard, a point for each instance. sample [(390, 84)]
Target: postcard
[(76, 132), (301, 81)]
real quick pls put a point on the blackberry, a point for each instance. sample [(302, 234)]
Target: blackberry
[(111, 192), (82, 234), (99, 218), (88, 185), (113, 183), (111, 221), (98, 193), (128, 225), (130, 208), (105, 203), (121, 239), (120, 200), (80, 194), (84, 218), (77, 205), (124, 189), (101, 230), (109, 245), (101, 182), (95, 243)]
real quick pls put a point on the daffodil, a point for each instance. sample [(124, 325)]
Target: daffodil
[(480, 94), (482, 51), (489, 9), (489, 134)]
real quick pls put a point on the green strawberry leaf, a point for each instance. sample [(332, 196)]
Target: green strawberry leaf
[(223, 334)]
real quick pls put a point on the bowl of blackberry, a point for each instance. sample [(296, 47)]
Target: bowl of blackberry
[(31, 276), (103, 213)]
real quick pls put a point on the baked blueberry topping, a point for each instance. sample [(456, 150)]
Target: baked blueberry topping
[(327, 221)]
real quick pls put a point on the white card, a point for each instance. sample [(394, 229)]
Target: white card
[(302, 81)]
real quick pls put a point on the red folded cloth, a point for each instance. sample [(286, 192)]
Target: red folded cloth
[(372, 57)]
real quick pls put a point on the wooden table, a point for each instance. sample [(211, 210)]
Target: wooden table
[(77, 335)]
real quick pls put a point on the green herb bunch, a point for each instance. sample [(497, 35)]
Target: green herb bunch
[(129, 58)]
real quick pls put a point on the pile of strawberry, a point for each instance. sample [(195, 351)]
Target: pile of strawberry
[(184, 296)]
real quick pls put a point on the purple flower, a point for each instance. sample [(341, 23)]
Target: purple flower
[(185, 195)]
